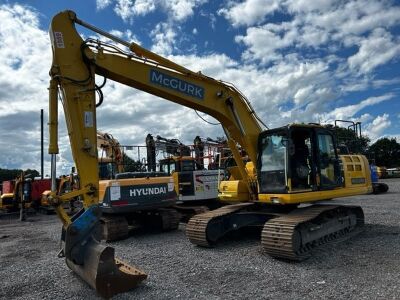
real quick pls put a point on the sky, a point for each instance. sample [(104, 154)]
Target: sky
[(296, 61)]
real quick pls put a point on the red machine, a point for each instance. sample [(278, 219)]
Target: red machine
[(8, 186), (30, 189)]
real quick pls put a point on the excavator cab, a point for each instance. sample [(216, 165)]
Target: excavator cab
[(298, 158), (177, 164), (181, 168)]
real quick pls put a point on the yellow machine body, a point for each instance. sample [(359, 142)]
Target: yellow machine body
[(356, 180), (64, 185), (75, 64), (6, 200), (235, 190)]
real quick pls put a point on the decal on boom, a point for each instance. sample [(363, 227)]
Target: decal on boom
[(176, 84)]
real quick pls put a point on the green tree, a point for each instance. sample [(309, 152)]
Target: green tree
[(31, 173), (355, 144), (10, 174), (131, 165), (386, 152)]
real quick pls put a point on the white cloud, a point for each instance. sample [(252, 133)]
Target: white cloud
[(143, 7), (266, 43), (319, 28), (376, 128), (165, 33), (324, 51), (163, 38), (349, 111), (379, 48), (177, 10), (309, 6), (318, 23), (102, 4), (181, 9), (364, 118), (24, 63), (125, 9), (303, 94), (378, 83), (249, 12)]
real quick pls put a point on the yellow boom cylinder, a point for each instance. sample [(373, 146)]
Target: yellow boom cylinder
[(53, 117)]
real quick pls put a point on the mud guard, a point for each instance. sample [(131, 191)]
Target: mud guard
[(95, 263)]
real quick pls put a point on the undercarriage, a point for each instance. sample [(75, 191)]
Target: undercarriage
[(290, 235)]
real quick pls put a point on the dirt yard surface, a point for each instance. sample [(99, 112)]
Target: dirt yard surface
[(363, 267)]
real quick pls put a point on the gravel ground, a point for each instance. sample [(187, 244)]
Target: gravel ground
[(364, 267)]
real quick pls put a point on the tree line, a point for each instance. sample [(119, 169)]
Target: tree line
[(10, 174), (384, 152)]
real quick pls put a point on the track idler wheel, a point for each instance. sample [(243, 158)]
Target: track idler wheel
[(93, 262)]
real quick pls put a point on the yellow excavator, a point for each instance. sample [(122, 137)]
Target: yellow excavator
[(287, 166), (65, 184), (111, 155)]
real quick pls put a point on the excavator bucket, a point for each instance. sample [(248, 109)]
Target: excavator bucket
[(105, 273), (93, 262)]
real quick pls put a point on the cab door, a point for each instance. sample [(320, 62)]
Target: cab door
[(328, 173)]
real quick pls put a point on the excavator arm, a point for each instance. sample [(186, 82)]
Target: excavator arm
[(75, 64), (112, 149)]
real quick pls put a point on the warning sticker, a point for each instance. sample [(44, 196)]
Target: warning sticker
[(88, 119), (58, 37), (115, 193)]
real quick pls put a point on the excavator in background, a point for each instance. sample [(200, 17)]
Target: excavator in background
[(111, 160), (194, 184), (197, 187), (132, 200), (290, 168), (65, 184), (24, 190), (9, 191)]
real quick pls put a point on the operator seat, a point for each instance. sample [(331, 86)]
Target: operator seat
[(300, 167)]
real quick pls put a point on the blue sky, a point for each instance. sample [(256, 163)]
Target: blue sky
[(296, 61)]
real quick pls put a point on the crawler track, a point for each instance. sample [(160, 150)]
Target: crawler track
[(117, 227), (169, 219), (295, 235), (196, 228), (114, 228)]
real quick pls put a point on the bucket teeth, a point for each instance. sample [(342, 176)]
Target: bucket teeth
[(105, 273)]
